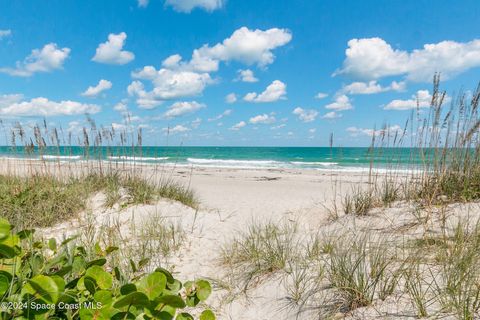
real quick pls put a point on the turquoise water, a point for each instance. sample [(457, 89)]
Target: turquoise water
[(240, 157)]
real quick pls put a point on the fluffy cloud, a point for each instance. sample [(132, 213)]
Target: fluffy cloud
[(374, 58), (422, 99), (390, 131), (262, 119), (196, 123), (341, 103), (5, 33), (277, 90), (246, 76), (8, 99), (331, 115), (177, 129), (12, 105), (321, 95), (238, 126), (224, 114), (280, 126), (99, 88), (110, 52), (181, 108), (188, 5), (167, 85), (244, 45), (121, 107), (371, 87), (231, 98), (305, 115), (178, 78), (143, 3), (47, 59)]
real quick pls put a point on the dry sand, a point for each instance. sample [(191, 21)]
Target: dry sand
[(232, 198)]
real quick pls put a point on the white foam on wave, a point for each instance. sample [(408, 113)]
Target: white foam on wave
[(234, 162), (19, 158), (58, 157), (132, 158), (314, 163)]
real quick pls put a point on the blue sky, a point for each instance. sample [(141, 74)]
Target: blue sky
[(214, 72)]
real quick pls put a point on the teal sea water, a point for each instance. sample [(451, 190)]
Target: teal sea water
[(322, 158)]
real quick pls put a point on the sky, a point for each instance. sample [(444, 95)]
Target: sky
[(231, 72)]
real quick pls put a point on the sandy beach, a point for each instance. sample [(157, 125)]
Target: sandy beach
[(231, 200)]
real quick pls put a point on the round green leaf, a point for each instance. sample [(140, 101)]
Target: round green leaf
[(103, 279), (203, 289), (207, 315), (90, 284), (133, 299), (184, 316), (153, 284), (5, 228), (167, 274), (103, 296), (98, 262), (171, 300), (42, 287), (52, 244), (60, 282), (6, 252), (127, 288), (5, 279)]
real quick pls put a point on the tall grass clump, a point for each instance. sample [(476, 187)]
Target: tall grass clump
[(361, 270), (449, 146), (459, 277), (260, 251), (434, 158), (40, 200)]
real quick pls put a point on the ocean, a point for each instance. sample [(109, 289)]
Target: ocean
[(319, 158)]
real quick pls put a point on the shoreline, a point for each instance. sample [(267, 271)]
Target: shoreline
[(328, 167)]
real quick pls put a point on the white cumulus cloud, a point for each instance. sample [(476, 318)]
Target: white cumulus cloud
[(277, 90), (238, 126), (305, 115), (47, 59), (99, 88), (246, 75), (374, 58), (181, 108), (231, 98), (110, 52), (167, 85), (143, 3), (5, 33), (177, 78), (188, 5), (422, 99), (14, 105), (262, 119), (341, 103), (321, 95), (331, 115), (224, 114), (371, 87), (244, 45), (176, 129), (388, 131)]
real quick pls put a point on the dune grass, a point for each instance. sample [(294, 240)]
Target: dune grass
[(361, 270), (41, 200), (444, 156), (262, 250)]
